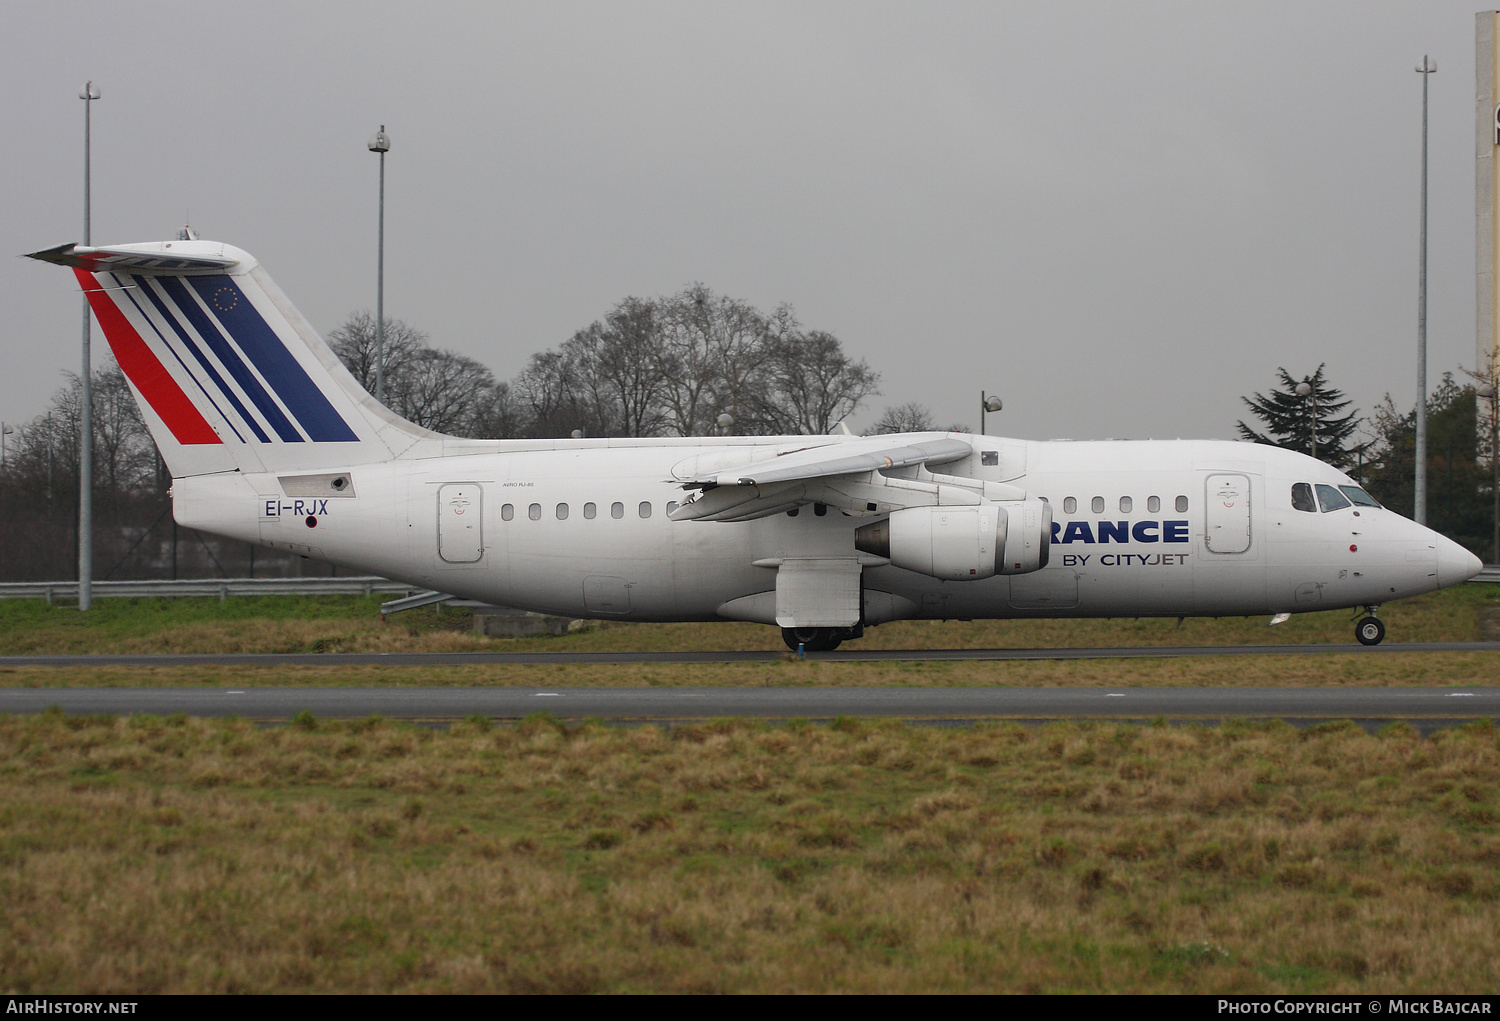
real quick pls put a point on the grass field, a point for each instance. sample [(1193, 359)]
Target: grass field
[(178, 855), (181, 855), (350, 624), (337, 624)]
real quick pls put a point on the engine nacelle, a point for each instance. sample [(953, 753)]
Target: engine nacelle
[(1028, 543), (952, 543), (963, 543)]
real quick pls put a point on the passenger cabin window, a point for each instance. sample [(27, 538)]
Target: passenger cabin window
[(671, 506), (534, 512), (507, 512), (1070, 505), (1153, 504), (989, 457), (1331, 498), (589, 510), (1358, 496), (1182, 505), (1126, 504), (1302, 498), (562, 512), (617, 510), (644, 509), (1098, 504)]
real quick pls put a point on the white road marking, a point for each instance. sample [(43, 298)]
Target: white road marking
[(234, 692), (1460, 694), (549, 694), (1115, 694)]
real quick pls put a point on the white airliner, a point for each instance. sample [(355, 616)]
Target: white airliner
[(270, 440)]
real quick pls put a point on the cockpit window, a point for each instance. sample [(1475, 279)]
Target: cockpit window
[(1358, 496), (1302, 498), (1331, 498)]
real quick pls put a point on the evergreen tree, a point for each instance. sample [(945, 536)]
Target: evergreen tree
[(1288, 419), (1458, 493)]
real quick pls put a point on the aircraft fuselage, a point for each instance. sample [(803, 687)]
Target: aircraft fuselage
[(581, 528)]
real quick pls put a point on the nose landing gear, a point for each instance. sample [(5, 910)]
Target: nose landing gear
[(1369, 630)]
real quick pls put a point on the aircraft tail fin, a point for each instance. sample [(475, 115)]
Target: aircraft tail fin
[(227, 373)]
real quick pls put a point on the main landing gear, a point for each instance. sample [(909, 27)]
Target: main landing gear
[(818, 639), (1369, 630)]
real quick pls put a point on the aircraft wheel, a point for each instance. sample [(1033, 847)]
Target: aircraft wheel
[(1369, 631), (812, 639)]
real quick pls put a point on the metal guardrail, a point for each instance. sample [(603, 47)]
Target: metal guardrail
[(221, 587), (1491, 573), (425, 597)]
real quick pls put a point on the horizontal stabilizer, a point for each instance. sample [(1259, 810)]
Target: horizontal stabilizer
[(154, 257)]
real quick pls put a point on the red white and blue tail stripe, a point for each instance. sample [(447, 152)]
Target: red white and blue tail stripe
[(228, 374)]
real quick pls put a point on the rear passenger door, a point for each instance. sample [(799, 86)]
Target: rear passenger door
[(461, 522)]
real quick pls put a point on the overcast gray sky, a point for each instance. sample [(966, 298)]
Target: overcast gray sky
[(1121, 217)]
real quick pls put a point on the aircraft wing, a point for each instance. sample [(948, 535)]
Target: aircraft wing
[(155, 257), (819, 474), (869, 453)]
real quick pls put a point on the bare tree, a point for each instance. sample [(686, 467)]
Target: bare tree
[(686, 361), (124, 453), (435, 388), (353, 341), (737, 338), (441, 390), (649, 367), (38, 531), (813, 385), (910, 417), (622, 357), (545, 391), (498, 415)]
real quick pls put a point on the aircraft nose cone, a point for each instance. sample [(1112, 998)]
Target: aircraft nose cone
[(1455, 564)]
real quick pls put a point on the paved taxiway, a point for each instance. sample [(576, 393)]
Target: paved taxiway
[(625, 704), (848, 656)]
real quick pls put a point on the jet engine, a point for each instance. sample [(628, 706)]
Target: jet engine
[(964, 543), (1028, 543)]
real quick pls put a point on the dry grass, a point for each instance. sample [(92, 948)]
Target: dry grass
[(1444, 669), (190, 856), (346, 624)]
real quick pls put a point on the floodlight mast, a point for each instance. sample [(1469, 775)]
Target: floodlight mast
[(88, 94), (1426, 69), (380, 143), (987, 402), (1305, 390)]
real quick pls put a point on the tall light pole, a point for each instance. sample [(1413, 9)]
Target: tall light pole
[(88, 94), (380, 143), (991, 402), (1305, 390), (1425, 69)]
